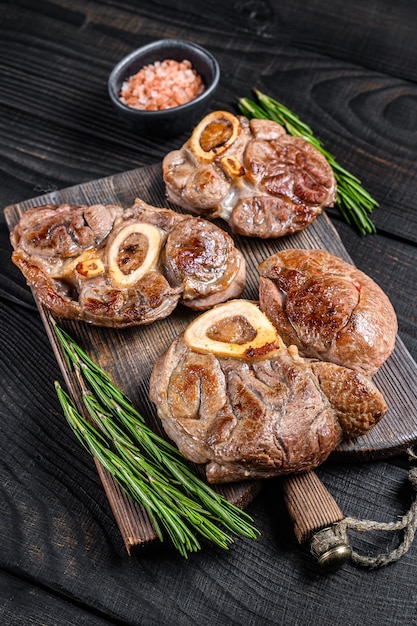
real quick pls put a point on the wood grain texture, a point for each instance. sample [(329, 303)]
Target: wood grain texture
[(22, 603), (366, 117), (129, 356), (349, 70), (310, 505)]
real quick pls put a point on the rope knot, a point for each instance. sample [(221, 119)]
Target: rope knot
[(412, 475)]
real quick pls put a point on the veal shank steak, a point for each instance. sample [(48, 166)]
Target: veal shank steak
[(124, 267), (262, 181), (233, 396)]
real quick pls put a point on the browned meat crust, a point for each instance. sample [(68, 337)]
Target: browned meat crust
[(252, 413), (265, 183), (328, 308), (124, 267), (259, 419)]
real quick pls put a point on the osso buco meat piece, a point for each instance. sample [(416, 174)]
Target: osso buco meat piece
[(233, 396), (262, 181), (328, 308), (124, 267)]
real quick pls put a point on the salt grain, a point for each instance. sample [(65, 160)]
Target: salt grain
[(162, 85)]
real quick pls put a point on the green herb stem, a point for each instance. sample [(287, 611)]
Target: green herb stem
[(148, 468), (353, 201)]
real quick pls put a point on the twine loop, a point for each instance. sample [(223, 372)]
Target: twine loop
[(407, 523)]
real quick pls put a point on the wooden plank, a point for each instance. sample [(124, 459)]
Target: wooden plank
[(128, 355)]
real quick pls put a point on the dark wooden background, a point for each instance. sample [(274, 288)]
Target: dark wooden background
[(349, 68)]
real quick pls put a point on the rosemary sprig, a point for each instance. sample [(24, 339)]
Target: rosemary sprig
[(149, 469), (353, 201)]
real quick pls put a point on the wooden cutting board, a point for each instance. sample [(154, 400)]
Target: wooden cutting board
[(128, 355)]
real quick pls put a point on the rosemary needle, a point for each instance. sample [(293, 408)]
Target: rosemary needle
[(148, 468), (354, 202)]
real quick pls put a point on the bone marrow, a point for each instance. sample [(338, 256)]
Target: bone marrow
[(262, 181), (119, 267), (237, 329), (255, 418)]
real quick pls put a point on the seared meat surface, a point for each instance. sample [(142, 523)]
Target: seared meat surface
[(262, 181), (328, 308), (124, 267), (263, 412)]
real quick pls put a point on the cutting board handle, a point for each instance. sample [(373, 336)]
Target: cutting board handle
[(314, 512)]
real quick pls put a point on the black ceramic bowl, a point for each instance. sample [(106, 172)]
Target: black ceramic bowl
[(167, 122)]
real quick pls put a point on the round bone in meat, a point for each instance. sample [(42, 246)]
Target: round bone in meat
[(124, 267), (262, 181), (255, 413)]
